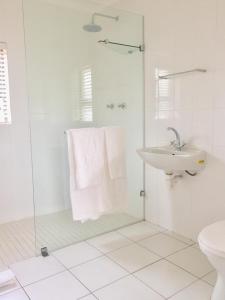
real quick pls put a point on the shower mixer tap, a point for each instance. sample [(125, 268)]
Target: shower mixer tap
[(122, 105), (110, 106)]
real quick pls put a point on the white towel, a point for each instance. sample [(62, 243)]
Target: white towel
[(86, 145), (115, 148), (6, 278), (103, 195)]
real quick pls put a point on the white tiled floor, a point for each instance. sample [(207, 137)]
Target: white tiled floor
[(210, 278), (109, 242), (35, 269), (58, 287), (163, 244), (91, 273), (165, 278), (77, 254), (139, 262), (133, 257), (197, 291), (192, 260)]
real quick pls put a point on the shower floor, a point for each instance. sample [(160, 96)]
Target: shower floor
[(17, 239)]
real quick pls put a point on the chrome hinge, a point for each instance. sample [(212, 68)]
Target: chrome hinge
[(142, 48), (142, 193)]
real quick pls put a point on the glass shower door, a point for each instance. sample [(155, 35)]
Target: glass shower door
[(77, 81)]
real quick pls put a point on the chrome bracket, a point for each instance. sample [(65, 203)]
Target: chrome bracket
[(142, 193), (142, 48), (44, 252)]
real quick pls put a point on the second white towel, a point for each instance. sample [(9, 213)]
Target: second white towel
[(115, 149)]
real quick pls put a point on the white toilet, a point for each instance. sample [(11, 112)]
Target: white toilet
[(212, 243)]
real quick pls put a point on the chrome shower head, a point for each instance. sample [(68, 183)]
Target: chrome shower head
[(92, 27)]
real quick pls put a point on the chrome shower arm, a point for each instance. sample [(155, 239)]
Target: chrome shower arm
[(104, 16)]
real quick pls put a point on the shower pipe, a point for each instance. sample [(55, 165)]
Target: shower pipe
[(104, 16)]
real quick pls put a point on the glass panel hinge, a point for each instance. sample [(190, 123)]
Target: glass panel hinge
[(44, 252), (142, 193)]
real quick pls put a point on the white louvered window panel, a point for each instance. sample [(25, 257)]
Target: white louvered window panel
[(86, 99), (163, 93), (5, 113)]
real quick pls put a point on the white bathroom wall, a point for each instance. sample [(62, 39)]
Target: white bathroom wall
[(15, 162), (57, 50), (182, 35), (118, 79)]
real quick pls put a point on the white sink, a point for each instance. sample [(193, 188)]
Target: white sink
[(170, 160)]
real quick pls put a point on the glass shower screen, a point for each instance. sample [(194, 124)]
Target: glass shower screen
[(77, 81)]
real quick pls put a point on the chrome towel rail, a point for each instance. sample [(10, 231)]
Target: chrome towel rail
[(182, 73)]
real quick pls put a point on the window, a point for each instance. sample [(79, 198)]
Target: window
[(5, 113), (86, 104), (164, 95)]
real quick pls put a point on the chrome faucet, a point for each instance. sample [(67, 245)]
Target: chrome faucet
[(177, 144)]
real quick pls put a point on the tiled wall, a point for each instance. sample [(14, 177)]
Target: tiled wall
[(15, 161), (182, 35)]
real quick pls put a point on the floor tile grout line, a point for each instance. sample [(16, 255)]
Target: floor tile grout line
[(45, 278), (183, 269), (143, 282), (69, 270), (65, 269), (202, 278), (128, 273), (92, 292), (80, 264), (199, 277), (104, 253), (176, 238), (108, 284), (151, 251), (147, 265), (138, 241), (165, 258), (26, 294), (164, 232), (190, 284), (113, 230), (194, 282)]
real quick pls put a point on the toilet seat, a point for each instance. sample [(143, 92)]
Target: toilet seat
[(213, 238)]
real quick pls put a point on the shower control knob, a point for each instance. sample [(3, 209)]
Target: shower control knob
[(122, 105), (110, 106)]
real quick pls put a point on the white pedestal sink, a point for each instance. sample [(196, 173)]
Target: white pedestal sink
[(166, 158)]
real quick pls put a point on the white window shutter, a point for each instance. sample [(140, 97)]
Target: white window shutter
[(86, 97), (5, 113)]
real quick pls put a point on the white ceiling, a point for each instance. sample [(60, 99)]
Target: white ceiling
[(105, 2)]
